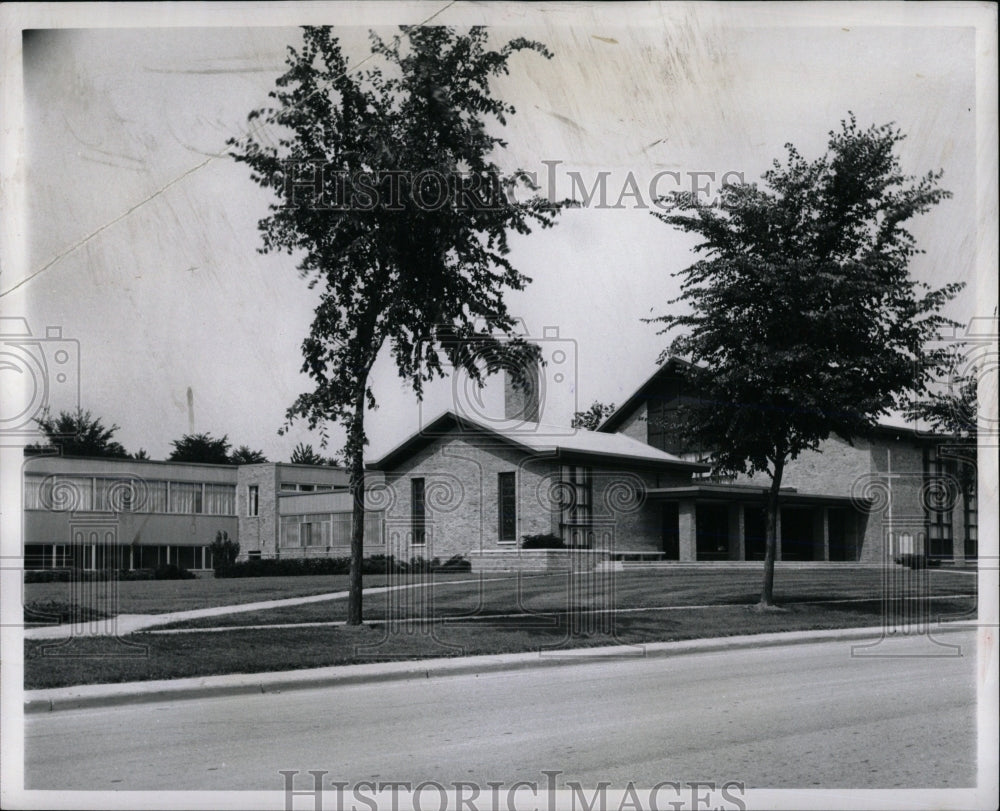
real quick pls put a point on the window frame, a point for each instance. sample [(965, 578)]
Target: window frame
[(418, 517), (507, 511)]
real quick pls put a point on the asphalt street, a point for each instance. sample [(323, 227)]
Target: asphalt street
[(809, 715)]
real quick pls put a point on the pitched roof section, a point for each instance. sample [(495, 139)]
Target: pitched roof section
[(892, 423), (614, 420), (535, 438)]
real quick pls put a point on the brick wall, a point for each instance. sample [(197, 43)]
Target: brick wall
[(635, 424), (461, 496), (260, 532)]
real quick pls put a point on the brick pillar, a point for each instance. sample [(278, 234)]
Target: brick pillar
[(821, 533), (737, 543), (687, 526)]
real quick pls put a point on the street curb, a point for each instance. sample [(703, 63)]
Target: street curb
[(105, 695)]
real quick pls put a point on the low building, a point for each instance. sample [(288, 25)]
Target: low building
[(133, 514)]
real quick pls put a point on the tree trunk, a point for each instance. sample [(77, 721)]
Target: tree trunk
[(356, 461), (767, 593)]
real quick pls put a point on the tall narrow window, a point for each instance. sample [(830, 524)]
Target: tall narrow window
[(971, 522), (577, 511), (506, 507), (253, 497), (940, 473), (418, 512)]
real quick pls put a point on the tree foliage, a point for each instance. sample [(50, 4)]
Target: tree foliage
[(79, 433), (953, 409), (303, 454), (244, 455), (801, 318), (201, 448), (593, 416), (224, 551), (391, 202)]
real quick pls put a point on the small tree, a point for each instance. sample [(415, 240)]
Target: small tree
[(224, 551), (593, 416), (79, 433), (801, 319), (244, 455), (201, 448), (389, 196)]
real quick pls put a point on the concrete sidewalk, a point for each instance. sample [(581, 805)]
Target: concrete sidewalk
[(881, 644), (124, 624)]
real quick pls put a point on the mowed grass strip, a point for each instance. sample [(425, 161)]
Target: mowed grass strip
[(143, 656), (164, 596), (562, 620), (533, 594)]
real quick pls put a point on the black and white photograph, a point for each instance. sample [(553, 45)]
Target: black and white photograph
[(460, 405)]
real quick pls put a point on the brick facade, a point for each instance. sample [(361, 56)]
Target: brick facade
[(880, 482)]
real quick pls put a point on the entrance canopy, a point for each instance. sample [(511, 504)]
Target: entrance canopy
[(726, 522), (747, 492)]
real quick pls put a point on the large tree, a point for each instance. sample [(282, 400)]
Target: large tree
[(390, 199), (79, 433), (801, 318), (201, 448)]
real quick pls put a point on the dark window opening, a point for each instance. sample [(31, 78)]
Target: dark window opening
[(507, 506), (671, 531), (712, 532), (418, 512)]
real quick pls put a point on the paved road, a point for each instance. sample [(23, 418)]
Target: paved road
[(799, 716)]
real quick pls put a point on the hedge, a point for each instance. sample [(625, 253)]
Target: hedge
[(376, 564), (168, 571)]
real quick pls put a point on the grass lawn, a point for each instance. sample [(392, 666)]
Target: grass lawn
[(163, 596), (603, 590), (568, 614)]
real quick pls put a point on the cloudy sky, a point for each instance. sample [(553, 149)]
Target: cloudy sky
[(140, 236)]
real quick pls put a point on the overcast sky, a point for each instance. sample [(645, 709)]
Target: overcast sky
[(144, 241)]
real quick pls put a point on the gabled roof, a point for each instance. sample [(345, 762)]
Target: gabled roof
[(893, 424), (614, 420), (542, 440)]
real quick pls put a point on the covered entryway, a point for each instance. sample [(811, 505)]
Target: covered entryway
[(712, 522)]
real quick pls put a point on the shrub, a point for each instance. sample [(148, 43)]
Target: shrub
[(71, 575), (543, 541), (376, 564), (224, 551), (379, 564), (171, 571), (456, 563), (917, 560)]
